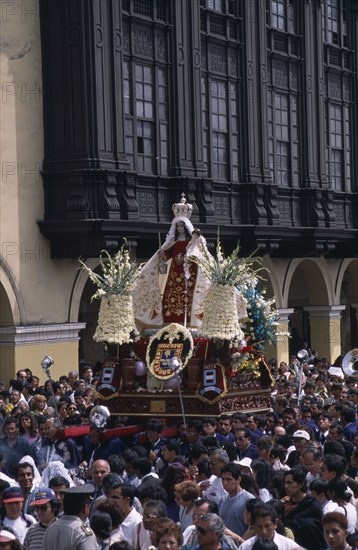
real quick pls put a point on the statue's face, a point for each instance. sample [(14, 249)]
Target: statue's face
[(181, 228)]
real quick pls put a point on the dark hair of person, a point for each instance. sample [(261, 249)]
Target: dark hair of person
[(187, 233), (143, 465), (140, 450), (197, 450), (332, 447), (334, 463), (231, 450), (166, 528), (204, 469), (239, 416), (251, 503), (111, 481), (264, 442), (58, 480), (3, 485), (111, 508), (319, 486), (278, 452), (335, 517), (148, 493), (128, 491), (11, 420), (352, 539), (264, 544), (116, 464), (130, 456), (209, 441), (284, 441), (17, 385), (279, 506), (246, 431), (274, 416), (21, 466), (232, 469), (74, 506), (213, 507), (264, 473), (158, 506), (33, 425), (298, 476), (263, 511), (154, 425), (121, 545), (101, 524), (340, 489), (175, 474), (172, 445), (211, 420), (249, 484), (195, 425), (316, 453)]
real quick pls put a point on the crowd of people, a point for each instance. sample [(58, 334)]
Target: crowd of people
[(283, 479)]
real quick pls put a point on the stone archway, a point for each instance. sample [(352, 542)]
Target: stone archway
[(309, 295), (347, 290)]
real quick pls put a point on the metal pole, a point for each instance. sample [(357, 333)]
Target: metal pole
[(302, 356), (186, 302), (46, 362), (180, 397)]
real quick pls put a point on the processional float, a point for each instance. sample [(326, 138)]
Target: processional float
[(185, 333)]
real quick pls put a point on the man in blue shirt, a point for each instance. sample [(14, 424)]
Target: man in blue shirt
[(231, 507)]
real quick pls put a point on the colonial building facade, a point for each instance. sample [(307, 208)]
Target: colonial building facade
[(112, 108)]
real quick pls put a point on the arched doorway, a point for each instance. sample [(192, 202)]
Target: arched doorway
[(348, 293), (308, 287)]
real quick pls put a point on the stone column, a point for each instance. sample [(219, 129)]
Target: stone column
[(354, 333), (282, 345), (325, 325)]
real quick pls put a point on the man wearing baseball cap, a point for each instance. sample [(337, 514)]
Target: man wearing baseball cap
[(12, 515), (301, 440), (70, 531), (46, 507)]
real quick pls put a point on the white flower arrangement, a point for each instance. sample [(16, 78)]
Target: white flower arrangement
[(226, 271), (120, 274), (221, 320), (114, 288)]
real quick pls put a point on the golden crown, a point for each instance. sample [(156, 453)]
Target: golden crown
[(182, 208)]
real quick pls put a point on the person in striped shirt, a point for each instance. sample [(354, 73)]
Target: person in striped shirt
[(46, 507)]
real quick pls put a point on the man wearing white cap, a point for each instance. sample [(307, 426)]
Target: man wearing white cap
[(301, 440)]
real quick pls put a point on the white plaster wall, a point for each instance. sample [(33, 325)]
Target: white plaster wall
[(45, 285)]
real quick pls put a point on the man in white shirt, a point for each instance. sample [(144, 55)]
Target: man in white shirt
[(312, 459), (124, 496), (264, 518), (213, 489)]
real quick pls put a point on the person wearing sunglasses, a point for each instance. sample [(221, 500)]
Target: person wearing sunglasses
[(203, 507), (46, 507), (210, 529)]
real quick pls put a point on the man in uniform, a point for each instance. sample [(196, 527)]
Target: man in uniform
[(69, 531)]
